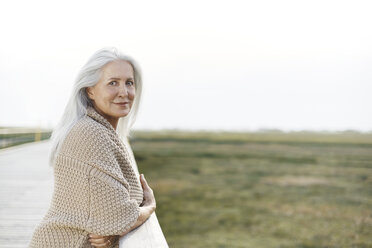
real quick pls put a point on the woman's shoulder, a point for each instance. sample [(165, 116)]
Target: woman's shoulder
[(85, 136), (86, 123), (91, 143), (86, 127)]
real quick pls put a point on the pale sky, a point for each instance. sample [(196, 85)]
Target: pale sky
[(214, 65)]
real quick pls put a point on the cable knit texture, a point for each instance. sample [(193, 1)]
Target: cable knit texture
[(96, 189)]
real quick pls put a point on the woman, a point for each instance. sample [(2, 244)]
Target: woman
[(98, 195)]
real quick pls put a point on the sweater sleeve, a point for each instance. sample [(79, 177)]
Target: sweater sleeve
[(112, 212)]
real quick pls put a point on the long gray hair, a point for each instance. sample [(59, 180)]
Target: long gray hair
[(77, 105)]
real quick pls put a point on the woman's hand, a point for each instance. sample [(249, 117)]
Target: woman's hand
[(148, 194), (101, 241)]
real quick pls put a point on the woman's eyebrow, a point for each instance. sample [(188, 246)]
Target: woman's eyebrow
[(116, 78)]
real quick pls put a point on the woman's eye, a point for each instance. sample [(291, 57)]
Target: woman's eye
[(113, 82), (131, 82)]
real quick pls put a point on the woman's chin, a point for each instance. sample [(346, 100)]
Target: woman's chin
[(123, 113)]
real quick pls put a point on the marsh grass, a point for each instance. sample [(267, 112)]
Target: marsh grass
[(260, 189)]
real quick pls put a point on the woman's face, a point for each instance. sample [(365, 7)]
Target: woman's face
[(113, 95)]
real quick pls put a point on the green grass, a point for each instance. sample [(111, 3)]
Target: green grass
[(260, 189)]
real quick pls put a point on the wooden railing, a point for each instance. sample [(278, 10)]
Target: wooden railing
[(16, 136)]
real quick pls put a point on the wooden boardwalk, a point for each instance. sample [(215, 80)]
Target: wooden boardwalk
[(26, 186)]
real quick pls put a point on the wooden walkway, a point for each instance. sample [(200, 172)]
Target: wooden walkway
[(26, 186)]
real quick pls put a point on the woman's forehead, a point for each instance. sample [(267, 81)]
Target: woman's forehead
[(118, 69)]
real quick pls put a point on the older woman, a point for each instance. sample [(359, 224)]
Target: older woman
[(98, 194)]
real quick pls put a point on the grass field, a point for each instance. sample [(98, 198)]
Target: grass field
[(266, 190)]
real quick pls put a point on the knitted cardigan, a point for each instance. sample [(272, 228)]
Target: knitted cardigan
[(95, 187)]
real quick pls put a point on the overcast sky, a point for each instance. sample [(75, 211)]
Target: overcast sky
[(222, 65)]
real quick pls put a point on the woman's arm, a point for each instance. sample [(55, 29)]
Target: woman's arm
[(106, 241), (145, 213), (147, 207)]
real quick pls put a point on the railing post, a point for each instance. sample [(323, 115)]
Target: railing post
[(38, 135)]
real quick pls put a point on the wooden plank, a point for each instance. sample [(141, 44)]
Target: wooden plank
[(26, 185)]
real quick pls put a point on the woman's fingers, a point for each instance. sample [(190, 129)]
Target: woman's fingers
[(97, 240), (95, 236), (106, 245), (146, 188), (144, 182), (148, 194), (100, 241), (145, 185), (100, 245)]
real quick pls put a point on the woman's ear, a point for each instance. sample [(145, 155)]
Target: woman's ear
[(90, 95)]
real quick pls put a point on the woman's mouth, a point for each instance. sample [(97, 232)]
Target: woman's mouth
[(123, 104)]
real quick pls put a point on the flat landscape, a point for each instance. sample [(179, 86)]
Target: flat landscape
[(268, 189)]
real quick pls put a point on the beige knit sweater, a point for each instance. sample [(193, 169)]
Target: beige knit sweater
[(95, 187)]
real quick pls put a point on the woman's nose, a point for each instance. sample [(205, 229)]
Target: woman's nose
[(123, 91)]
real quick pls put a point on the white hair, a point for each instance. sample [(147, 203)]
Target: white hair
[(76, 107)]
